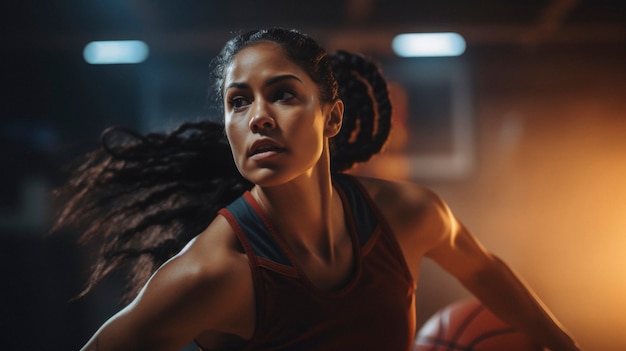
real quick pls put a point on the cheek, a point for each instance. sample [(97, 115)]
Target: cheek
[(233, 136), (232, 126)]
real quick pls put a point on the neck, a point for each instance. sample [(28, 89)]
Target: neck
[(306, 211)]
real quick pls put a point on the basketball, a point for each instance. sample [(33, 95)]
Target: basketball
[(467, 325)]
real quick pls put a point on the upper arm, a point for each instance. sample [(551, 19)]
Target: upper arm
[(189, 294), (455, 248), (426, 227)]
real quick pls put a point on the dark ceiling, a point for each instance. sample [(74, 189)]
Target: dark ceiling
[(45, 76), (188, 25)]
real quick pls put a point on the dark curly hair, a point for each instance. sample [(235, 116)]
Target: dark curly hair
[(143, 197)]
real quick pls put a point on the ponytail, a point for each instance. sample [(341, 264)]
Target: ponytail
[(142, 198), (367, 115)]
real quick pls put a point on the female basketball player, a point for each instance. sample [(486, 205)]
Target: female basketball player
[(283, 252)]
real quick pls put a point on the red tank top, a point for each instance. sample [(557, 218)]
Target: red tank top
[(373, 311)]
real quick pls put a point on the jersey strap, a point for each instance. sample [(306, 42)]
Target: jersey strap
[(258, 236), (246, 214), (364, 218)]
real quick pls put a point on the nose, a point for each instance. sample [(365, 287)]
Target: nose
[(261, 120)]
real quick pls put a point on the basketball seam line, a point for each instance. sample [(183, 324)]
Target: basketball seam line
[(491, 334), (466, 323)]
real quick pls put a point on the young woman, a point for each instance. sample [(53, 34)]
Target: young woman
[(283, 252)]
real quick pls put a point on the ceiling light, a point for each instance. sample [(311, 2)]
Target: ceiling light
[(115, 52), (428, 44)]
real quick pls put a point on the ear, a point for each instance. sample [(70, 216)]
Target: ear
[(334, 118)]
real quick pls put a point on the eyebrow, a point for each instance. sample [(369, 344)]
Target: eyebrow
[(268, 82)]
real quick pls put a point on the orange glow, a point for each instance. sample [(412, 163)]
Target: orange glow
[(552, 203)]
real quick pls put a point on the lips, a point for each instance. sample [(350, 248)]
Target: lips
[(265, 146)]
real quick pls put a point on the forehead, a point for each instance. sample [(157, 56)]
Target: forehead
[(262, 59)]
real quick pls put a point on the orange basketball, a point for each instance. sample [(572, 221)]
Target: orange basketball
[(467, 325)]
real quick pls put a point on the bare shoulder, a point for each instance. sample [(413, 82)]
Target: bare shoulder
[(407, 202), (213, 252), (204, 259), (213, 276), (416, 214), (206, 288)]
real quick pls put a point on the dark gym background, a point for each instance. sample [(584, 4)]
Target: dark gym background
[(524, 135)]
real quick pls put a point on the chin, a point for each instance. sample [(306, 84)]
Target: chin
[(275, 174), (267, 177)]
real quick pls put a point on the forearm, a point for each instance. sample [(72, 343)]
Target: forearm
[(507, 296)]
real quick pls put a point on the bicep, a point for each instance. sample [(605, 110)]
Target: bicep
[(178, 303), (426, 227), (453, 247), (132, 329), (148, 323)]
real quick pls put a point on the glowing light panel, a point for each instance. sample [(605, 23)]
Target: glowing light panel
[(428, 44), (115, 52)]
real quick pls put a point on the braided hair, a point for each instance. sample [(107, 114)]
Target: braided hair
[(142, 198), (367, 114)]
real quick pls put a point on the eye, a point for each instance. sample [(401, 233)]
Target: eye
[(285, 95), (238, 102)]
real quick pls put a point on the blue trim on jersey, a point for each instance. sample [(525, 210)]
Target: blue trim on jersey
[(364, 217), (259, 237), (265, 245)]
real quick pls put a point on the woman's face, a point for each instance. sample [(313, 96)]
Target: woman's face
[(275, 123)]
